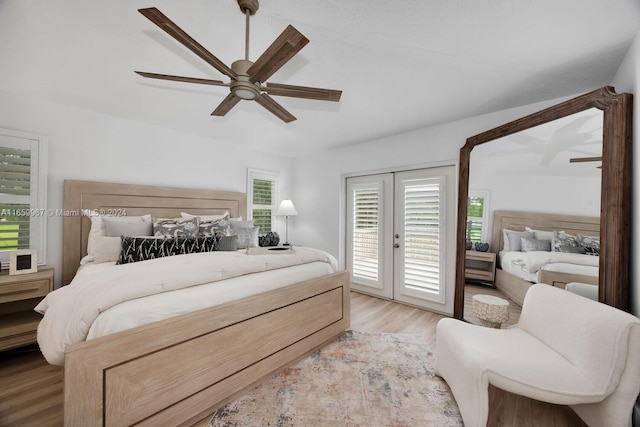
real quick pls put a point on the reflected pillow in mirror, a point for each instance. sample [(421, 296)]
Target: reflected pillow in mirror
[(541, 234), (530, 244), (563, 240), (512, 239)]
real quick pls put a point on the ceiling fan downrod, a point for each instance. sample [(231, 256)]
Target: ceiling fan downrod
[(248, 7)]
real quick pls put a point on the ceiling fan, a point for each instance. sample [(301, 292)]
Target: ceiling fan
[(586, 159), (247, 78)]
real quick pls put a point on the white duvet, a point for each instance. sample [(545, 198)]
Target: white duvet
[(70, 312), (532, 262)]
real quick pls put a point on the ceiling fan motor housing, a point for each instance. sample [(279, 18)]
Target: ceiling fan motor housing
[(250, 5), (242, 87)]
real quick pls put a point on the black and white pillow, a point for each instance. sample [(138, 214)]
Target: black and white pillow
[(176, 227), (590, 244), (214, 227), (564, 242), (135, 249)]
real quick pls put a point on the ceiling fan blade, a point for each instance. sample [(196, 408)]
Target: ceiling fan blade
[(267, 102), (303, 92), (281, 50), (585, 159), (182, 79), (165, 24), (227, 104)]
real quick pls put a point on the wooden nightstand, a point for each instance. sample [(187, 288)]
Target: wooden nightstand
[(19, 294), (480, 266)]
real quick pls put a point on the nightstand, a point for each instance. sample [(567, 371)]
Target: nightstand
[(480, 266), (19, 294)]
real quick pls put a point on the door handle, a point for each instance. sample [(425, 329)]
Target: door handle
[(396, 245)]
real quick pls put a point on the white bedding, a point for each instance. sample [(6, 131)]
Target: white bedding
[(527, 265), (106, 298)]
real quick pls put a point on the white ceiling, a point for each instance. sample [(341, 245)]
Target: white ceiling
[(402, 65)]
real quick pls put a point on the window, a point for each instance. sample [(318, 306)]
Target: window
[(477, 216), (23, 190), (262, 199)]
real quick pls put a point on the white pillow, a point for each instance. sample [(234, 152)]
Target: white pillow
[(97, 229), (107, 249), (512, 239), (540, 234)]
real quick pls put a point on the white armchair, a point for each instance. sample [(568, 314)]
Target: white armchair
[(565, 349)]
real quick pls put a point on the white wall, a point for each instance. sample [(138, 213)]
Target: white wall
[(96, 147), (319, 193), (627, 79)]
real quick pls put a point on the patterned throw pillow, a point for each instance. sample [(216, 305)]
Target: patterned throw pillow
[(135, 249), (591, 245), (177, 227), (216, 227), (563, 242), (530, 244)]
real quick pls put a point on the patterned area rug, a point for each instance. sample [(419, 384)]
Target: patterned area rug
[(361, 379)]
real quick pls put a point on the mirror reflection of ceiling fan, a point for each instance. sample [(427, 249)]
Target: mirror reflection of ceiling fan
[(586, 159), (247, 78)]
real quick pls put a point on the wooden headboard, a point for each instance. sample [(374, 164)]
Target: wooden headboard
[(516, 220), (161, 202)]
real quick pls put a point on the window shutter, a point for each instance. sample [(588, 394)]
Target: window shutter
[(15, 198), (366, 233), (422, 236)]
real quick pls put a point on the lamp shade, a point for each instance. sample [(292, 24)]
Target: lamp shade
[(286, 208)]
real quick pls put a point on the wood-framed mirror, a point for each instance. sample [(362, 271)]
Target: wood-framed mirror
[(615, 201)]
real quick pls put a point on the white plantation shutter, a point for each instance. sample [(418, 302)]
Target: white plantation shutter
[(422, 235), (262, 199), (367, 229), (23, 211)]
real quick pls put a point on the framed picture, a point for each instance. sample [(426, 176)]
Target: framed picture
[(23, 261)]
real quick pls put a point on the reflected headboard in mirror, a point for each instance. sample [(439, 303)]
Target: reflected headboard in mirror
[(615, 192)]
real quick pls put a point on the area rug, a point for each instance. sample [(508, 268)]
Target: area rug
[(361, 379)]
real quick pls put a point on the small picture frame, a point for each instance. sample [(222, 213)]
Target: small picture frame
[(23, 261)]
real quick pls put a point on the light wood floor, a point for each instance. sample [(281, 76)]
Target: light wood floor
[(31, 391)]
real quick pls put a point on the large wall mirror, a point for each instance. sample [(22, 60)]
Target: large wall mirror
[(558, 180)]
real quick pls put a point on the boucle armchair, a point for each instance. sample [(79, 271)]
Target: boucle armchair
[(565, 349)]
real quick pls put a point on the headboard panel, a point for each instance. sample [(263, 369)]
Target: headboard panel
[(132, 199), (516, 220)]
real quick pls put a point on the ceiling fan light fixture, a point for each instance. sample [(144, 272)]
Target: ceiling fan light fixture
[(245, 94)]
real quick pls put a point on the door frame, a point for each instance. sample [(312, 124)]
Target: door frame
[(342, 247)]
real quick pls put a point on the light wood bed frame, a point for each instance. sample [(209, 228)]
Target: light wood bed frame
[(515, 287), (179, 370)]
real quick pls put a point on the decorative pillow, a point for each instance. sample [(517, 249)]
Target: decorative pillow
[(247, 237), (241, 224), (177, 227), (120, 226), (227, 243), (530, 244), (512, 239), (97, 229), (540, 234), (205, 217), (107, 249), (135, 249), (571, 249), (590, 244), (216, 227), (562, 239)]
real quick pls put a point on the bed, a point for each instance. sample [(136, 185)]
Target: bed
[(178, 370), (518, 270)]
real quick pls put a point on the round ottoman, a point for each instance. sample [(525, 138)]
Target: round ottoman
[(491, 311)]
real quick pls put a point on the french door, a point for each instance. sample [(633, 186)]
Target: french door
[(401, 236)]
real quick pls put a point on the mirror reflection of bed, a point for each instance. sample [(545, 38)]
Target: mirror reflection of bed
[(545, 179)]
